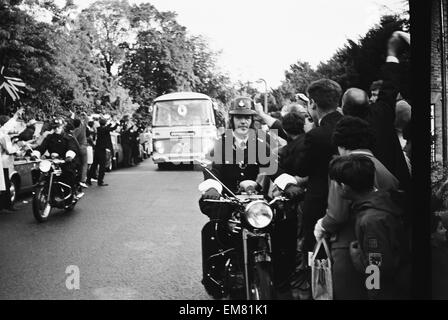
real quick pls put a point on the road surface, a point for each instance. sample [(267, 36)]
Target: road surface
[(138, 238)]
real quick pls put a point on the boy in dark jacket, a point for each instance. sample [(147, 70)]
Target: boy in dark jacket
[(439, 259), (380, 238)]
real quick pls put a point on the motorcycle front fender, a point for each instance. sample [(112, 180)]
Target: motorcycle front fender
[(215, 259), (259, 247)]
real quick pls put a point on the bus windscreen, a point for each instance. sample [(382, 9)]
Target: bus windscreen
[(183, 113)]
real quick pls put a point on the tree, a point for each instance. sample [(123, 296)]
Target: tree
[(108, 25), (28, 51), (358, 63), (340, 67), (68, 62), (207, 78), (157, 64), (297, 79)]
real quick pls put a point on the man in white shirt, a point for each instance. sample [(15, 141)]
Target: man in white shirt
[(7, 150)]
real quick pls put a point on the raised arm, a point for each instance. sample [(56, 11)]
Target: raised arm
[(390, 74)]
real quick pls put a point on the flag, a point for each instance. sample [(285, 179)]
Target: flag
[(11, 85)]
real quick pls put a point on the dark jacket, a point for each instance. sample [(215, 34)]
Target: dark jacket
[(313, 163), (103, 139), (277, 125), (27, 134), (73, 142), (316, 156), (126, 135), (381, 116), (60, 144), (338, 208), (439, 271), (380, 234), (290, 154)]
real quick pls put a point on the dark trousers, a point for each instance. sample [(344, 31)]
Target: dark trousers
[(5, 197), (135, 152), (70, 173), (314, 208), (99, 159), (284, 244), (127, 154)]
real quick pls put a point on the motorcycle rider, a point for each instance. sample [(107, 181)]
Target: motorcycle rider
[(235, 159), (60, 145)]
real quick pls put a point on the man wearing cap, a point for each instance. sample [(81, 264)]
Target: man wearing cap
[(235, 159), (7, 152), (242, 136)]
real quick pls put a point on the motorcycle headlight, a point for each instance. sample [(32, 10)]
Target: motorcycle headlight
[(45, 166), (258, 214), (158, 145)]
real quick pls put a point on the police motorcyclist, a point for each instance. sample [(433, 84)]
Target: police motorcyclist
[(225, 166), (235, 159), (60, 145)]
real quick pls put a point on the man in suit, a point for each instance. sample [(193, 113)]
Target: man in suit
[(318, 150), (103, 142), (126, 127)]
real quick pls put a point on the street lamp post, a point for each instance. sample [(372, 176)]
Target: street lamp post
[(265, 94)]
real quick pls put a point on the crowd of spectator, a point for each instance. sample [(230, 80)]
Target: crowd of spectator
[(350, 152), (90, 139)]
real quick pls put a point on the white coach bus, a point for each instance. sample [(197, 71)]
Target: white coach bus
[(183, 127)]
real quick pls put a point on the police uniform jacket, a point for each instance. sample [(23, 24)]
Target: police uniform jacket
[(58, 143), (232, 165)]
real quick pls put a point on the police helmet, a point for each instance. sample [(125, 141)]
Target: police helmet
[(242, 106), (57, 122)]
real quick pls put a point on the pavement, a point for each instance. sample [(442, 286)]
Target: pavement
[(138, 238)]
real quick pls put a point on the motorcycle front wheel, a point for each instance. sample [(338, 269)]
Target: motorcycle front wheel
[(262, 286), (41, 208)]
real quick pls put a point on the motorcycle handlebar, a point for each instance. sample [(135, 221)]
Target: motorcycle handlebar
[(219, 201), (276, 199), (57, 161), (279, 198)]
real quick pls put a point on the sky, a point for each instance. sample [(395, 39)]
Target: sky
[(261, 38)]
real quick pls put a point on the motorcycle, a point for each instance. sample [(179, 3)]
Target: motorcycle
[(237, 253), (51, 192)]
